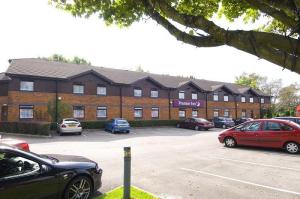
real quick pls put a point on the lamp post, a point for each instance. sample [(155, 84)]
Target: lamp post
[(127, 172)]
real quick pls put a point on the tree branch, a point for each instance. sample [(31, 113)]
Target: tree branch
[(202, 41), (277, 14), (286, 6)]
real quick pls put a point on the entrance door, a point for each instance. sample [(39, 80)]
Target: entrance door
[(4, 112)]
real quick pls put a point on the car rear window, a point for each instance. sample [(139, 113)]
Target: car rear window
[(71, 120), (228, 119), (201, 120), (122, 121)]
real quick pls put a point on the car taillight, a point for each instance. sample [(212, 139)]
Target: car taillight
[(23, 146), (63, 126), (79, 125)]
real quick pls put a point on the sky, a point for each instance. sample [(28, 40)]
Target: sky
[(32, 28)]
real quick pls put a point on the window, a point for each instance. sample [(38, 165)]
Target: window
[(272, 126), (194, 96), (138, 112), (194, 113), (101, 90), (26, 86), (181, 95), (252, 126), (26, 111), (243, 99), (262, 100), (15, 165), (181, 113), (155, 113), (216, 97), (154, 93), (243, 113), (101, 112), (251, 100), (216, 113), (226, 113), (137, 92), (225, 98), (78, 111), (78, 89)]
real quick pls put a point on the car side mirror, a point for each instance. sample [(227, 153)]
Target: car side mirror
[(44, 168)]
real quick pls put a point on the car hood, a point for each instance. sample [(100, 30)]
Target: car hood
[(72, 160)]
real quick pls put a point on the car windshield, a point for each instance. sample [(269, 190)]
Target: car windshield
[(122, 122), (228, 119), (201, 120), (45, 157)]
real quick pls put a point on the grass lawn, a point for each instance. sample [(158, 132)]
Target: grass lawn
[(118, 194)]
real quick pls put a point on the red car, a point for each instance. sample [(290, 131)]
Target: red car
[(272, 133), (196, 124), (21, 144)]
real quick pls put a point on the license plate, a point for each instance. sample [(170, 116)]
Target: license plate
[(72, 125)]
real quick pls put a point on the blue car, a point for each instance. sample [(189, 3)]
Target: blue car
[(223, 122), (118, 125)]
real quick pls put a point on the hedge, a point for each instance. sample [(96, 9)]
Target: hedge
[(31, 128), (135, 123)]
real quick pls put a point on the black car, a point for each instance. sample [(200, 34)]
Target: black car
[(25, 175), (242, 120), (223, 122), (293, 119)]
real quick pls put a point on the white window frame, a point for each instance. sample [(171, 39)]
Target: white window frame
[(262, 100), (78, 113), (182, 113), (194, 96), (26, 86), (155, 112), (244, 113), (101, 90), (226, 98), (101, 109), (243, 99), (193, 113), (216, 113), (26, 112), (137, 92), (226, 113), (78, 89), (181, 95), (216, 97), (154, 93), (251, 100), (138, 110)]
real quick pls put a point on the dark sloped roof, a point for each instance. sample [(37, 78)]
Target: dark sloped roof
[(59, 70), (3, 77)]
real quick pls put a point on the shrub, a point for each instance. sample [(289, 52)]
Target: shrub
[(32, 128), (145, 123)]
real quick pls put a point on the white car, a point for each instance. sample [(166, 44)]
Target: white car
[(69, 125)]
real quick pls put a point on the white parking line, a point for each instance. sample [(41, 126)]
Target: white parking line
[(243, 181), (254, 163)]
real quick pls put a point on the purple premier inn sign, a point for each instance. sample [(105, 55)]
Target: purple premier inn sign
[(188, 103)]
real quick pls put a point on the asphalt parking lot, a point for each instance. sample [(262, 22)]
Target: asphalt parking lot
[(184, 164)]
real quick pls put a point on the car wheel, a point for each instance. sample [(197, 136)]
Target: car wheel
[(292, 147), (224, 126), (127, 131), (230, 142), (197, 128), (60, 133), (178, 125), (79, 133), (113, 130), (80, 187)]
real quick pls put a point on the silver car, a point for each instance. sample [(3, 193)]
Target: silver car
[(69, 125)]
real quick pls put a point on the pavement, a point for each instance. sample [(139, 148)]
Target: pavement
[(184, 164)]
